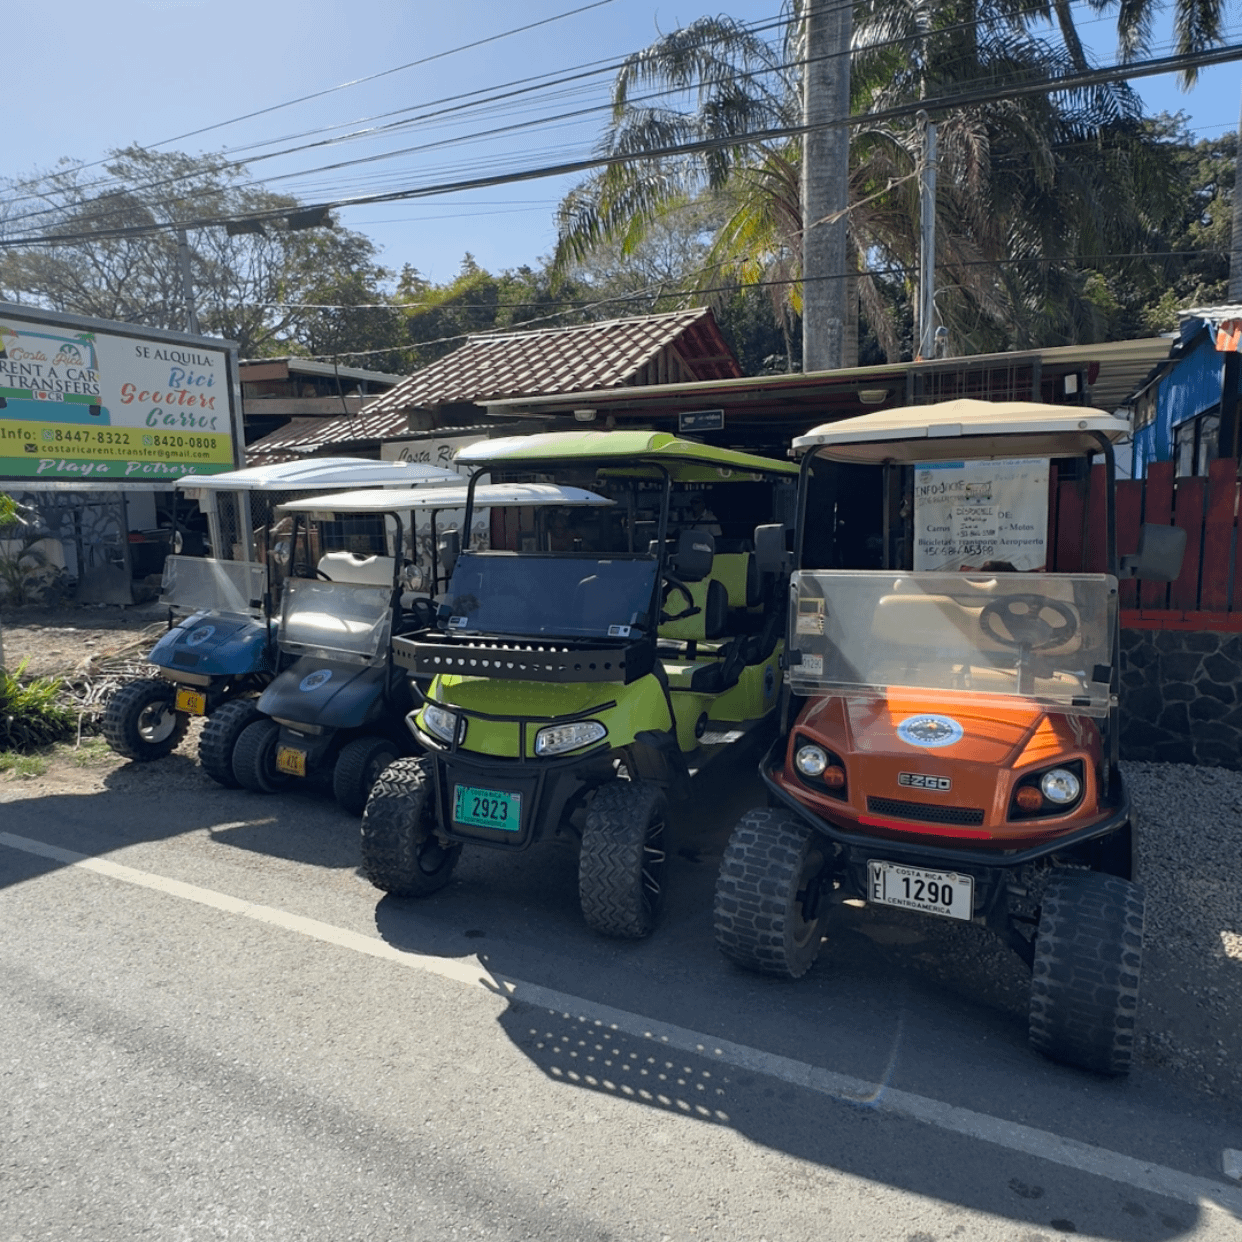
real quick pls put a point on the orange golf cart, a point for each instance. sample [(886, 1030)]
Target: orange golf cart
[(949, 736)]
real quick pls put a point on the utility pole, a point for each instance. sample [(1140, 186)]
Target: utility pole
[(829, 27), (1235, 244), (927, 242), (187, 285)]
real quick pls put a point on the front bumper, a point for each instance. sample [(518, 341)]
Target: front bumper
[(920, 853)]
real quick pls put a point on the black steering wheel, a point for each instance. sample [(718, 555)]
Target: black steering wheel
[(422, 612), (1022, 617), (672, 584)]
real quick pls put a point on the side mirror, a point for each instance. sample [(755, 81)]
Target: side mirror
[(448, 550), (1159, 555), (770, 554)]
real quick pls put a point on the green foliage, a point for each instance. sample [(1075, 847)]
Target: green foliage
[(30, 712), (8, 513), (437, 318)]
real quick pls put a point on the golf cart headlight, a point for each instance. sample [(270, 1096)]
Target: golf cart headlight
[(442, 723), (811, 760), (1060, 786), (557, 739)]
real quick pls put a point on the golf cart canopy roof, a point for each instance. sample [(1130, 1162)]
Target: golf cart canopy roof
[(685, 460), (950, 430), (321, 473), (486, 495)]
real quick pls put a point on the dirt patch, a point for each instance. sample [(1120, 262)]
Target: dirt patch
[(56, 641)]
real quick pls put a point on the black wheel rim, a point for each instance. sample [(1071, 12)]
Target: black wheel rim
[(802, 928)]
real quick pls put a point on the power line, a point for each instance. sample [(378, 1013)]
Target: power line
[(751, 28), (579, 72), (383, 73), (1072, 82)]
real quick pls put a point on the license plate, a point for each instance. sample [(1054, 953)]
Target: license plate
[(487, 808), (933, 892), (290, 760), (192, 701)]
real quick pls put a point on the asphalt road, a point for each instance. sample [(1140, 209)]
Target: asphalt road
[(212, 1028)]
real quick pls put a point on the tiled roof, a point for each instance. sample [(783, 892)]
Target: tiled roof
[(593, 355), (609, 354), (300, 436)]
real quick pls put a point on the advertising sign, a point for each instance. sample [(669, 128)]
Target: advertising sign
[(78, 405), (968, 513)]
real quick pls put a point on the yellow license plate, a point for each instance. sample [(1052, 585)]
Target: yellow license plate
[(192, 701), (290, 761)]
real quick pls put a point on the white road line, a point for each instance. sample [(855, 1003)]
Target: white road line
[(1042, 1144)]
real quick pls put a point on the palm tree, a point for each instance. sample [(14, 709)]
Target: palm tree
[(1041, 180)]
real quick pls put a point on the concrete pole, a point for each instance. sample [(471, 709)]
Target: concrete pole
[(1235, 244), (187, 284), (927, 243), (825, 182)]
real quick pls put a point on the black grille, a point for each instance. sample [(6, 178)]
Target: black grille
[(924, 811), (188, 658)]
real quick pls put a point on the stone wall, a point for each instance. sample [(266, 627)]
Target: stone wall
[(1180, 698)]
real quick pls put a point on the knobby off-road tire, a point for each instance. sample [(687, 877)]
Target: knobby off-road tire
[(358, 767), (140, 721), (400, 854), (622, 866), (254, 758), (1088, 961), (770, 868), (218, 740)]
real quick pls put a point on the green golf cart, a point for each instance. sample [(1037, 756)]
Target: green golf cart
[(584, 668)]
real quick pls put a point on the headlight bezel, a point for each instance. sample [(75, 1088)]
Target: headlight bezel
[(577, 734), (440, 721), (1048, 808), (819, 781)]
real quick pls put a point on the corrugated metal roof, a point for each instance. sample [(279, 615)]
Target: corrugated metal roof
[(1123, 365), (555, 360)]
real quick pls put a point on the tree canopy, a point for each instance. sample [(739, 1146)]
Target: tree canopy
[(258, 288)]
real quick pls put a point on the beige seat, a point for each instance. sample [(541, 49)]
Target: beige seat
[(362, 570)]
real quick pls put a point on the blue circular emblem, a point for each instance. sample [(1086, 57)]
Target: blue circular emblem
[(198, 637), (312, 681), (930, 732)]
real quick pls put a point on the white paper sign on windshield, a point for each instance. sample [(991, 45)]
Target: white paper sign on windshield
[(969, 513)]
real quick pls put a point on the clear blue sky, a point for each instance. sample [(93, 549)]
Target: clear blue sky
[(87, 77)]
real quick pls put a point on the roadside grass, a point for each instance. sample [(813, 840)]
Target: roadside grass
[(32, 714), (16, 767), (87, 753)]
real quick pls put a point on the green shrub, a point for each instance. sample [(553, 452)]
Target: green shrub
[(30, 713)]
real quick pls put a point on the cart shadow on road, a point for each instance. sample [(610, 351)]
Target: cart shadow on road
[(143, 803), (866, 1011), (842, 1138)]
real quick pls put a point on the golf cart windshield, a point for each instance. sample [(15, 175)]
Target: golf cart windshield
[(1043, 637), (546, 594), (335, 619), (192, 583)]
